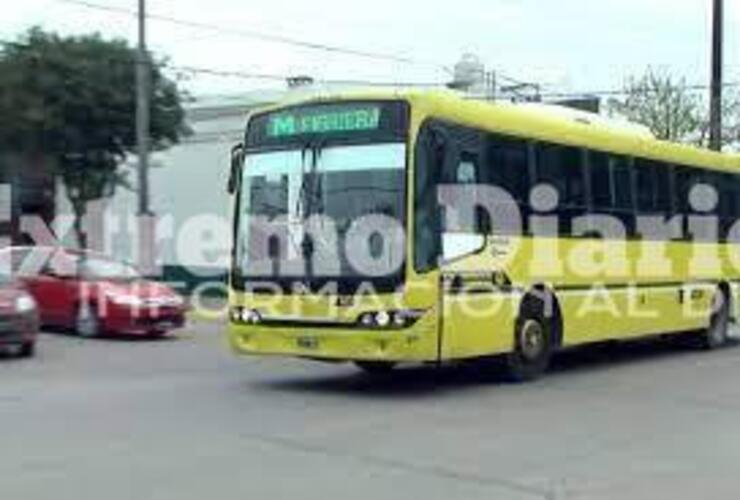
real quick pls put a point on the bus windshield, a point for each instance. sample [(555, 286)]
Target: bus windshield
[(302, 208), (322, 190)]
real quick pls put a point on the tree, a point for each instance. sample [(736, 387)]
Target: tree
[(673, 110), (730, 121), (73, 99)]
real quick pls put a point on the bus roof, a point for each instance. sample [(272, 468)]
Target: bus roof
[(544, 122)]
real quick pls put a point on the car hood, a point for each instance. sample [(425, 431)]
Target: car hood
[(141, 288)]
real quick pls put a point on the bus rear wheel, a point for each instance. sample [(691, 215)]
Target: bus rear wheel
[(533, 346), (716, 334)]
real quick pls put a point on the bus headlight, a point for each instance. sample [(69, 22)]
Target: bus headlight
[(383, 320), (244, 315), (400, 320), (367, 320), (251, 316)]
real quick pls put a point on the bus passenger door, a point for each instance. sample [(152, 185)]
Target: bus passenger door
[(476, 315), (447, 211)]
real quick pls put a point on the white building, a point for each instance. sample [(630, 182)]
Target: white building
[(187, 193)]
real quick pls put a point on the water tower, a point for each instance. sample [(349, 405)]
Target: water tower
[(470, 75)]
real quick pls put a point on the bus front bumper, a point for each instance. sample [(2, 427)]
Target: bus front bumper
[(416, 344)]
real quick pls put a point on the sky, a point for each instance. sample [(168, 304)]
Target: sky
[(566, 45)]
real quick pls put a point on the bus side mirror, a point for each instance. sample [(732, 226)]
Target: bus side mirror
[(237, 160)]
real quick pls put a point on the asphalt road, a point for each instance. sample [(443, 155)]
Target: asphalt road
[(183, 419)]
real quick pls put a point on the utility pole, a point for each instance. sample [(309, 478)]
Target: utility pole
[(146, 220), (142, 113), (715, 116)]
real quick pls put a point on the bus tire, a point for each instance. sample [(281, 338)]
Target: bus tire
[(375, 367), (533, 344), (716, 334)]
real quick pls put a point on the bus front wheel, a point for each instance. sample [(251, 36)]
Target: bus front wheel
[(533, 345)]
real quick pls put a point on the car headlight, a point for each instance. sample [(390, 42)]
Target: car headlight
[(25, 304), (175, 301), (127, 300)]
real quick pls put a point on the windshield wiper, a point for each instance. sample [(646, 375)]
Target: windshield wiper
[(308, 196), (300, 202), (310, 185)]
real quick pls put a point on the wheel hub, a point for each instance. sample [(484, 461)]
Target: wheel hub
[(532, 339)]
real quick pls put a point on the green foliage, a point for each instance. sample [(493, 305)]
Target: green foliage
[(674, 111), (73, 99), (663, 104)]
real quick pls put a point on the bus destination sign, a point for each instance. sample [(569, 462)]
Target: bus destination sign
[(324, 120)]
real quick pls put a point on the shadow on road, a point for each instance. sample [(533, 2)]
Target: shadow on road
[(112, 338), (436, 380)]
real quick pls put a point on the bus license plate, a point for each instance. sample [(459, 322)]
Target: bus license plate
[(308, 343)]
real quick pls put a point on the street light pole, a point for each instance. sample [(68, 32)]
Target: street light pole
[(715, 117)]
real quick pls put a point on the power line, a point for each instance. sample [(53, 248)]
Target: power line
[(257, 35), (622, 92), (248, 75), (280, 77), (271, 37)]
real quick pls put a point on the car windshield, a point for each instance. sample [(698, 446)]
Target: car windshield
[(103, 269), (337, 185)]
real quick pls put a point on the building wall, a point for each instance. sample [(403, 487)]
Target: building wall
[(26, 189), (187, 195)]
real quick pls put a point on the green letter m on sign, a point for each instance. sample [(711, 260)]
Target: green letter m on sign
[(282, 125)]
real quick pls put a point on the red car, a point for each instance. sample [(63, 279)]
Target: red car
[(95, 295), (19, 321)]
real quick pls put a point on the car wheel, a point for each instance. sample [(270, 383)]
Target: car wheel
[(87, 322), (533, 346), (376, 367), (716, 334)]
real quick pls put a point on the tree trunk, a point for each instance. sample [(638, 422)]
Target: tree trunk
[(80, 233)]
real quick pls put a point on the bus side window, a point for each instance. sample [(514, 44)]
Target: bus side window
[(623, 198), (683, 183), (728, 204), (431, 152), (601, 182), (664, 198), (733, 193), (562, 167), (647, 184), (463, 168), (507, 168)]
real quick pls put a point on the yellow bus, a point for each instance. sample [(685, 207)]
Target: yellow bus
[(415, 226)]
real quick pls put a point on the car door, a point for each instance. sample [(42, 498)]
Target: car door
[(26, 266), (55, 289)]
